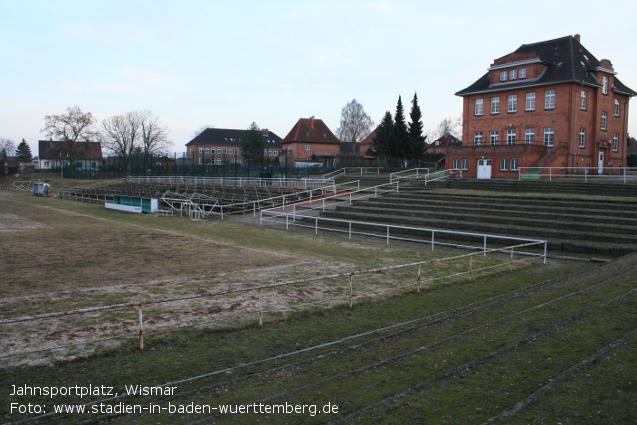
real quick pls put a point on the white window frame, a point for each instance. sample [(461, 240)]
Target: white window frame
[(503, 164), (479, 107), (549, 99), (512, 74), (605, 84), (454, 164), (584, 100), (616, 142), (512, 103), (511, 136), (218, 151), (549, 136), (477, 138), (503, 75), (200, 149), (582, 137), (604, 121), (514, 164), (494, 136), (522, 73), (465, 164), (308, 148), (495, 105), (617, 107), (530, 101), (529, 136)]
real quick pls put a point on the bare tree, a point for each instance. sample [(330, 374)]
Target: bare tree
[(154, 134), (121, 135), (72, 128), (355, 123), (448, 125), (7, 148)]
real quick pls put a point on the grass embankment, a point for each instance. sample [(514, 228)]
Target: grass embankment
[(455, 355)]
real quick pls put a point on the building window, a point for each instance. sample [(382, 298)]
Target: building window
[(218, 151), (616, 107), (207, 150), (514, 164), (503, 75), (583, 102), (218, 161), (503, 164), (588, 168), (477, 138), (605, 84), (549, 136), (495, 105), (275, 152), (530, 101), (225, 151), (200, 160), (512, 74), (616, 142), (549, 99), (529, 136), (455, 164), (479, 106), (269, 152), (493, 137), (200, 149), (511, 135), (465, 164), (604, 119), (512, 103), (582, 137), (308, 148), (522, 73)]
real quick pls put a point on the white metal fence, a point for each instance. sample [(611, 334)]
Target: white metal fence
[(618, 174)]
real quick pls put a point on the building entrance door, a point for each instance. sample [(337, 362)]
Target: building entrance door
[(484, 169), (600, 163)]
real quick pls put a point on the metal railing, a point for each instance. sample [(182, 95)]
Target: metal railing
[(443, 174), (414, 173), (235, 181), (352, 170), (586, 173)]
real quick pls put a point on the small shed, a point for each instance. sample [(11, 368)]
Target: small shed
[(40, 188)]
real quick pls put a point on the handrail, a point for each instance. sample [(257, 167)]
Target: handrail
[(443, 174), (578, 172), (418, 171)]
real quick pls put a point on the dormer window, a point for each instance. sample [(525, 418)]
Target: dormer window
[(512, 74), (503, 75), (522, 73), (307, 134)]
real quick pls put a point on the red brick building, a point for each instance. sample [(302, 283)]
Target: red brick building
[(311, 141), (547, 104), (218, 146)]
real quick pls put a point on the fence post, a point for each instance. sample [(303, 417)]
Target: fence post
[(387, 235), (485, 245), (141, 329), (316, 225), (511, 261), (419, 270), (350, 230), (470, 267), (351, 291), (545, 244), (260, 310), (432, 239)]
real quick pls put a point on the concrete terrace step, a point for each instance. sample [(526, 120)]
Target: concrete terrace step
[(550, 219), (574, 241)]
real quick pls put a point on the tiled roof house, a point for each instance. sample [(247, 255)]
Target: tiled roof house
[(310, 140), (547, 104)]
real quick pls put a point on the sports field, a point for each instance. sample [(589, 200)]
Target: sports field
[(526, 343)]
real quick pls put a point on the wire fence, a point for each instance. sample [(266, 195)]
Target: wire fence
[(240, 304)]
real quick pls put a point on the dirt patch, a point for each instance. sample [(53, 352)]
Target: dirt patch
[(13, 223)]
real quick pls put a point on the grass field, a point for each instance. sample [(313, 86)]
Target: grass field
[(550, 343)]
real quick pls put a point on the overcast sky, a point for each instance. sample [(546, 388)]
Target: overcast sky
[(229, 63)]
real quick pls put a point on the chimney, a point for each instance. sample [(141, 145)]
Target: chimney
[(265, 131), (312, 121), (577, 37)]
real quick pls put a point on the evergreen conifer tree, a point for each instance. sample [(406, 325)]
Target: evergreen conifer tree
[(23, 151), (401, 147), (416, 138), (382, 139)]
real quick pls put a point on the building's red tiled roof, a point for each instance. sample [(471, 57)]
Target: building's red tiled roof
[(311, 130)]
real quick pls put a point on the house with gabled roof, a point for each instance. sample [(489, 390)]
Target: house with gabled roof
[(223, 146), (54, 155), (547, 104), (311, 141)]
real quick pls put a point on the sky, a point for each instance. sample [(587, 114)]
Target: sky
[(229, 63)]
